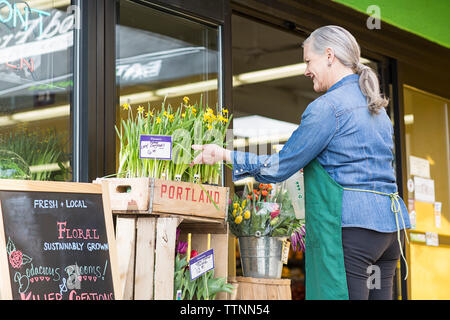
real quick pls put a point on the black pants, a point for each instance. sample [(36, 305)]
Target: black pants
[(370, 259)]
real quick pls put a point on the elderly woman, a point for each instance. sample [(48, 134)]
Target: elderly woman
[(354, 215)]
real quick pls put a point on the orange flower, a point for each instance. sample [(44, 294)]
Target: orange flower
[(264, 193)]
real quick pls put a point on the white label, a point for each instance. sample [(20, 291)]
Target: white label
[(412, 219), (437, 214), (155, 147), (432, 239), (424, 189), (201, 264), (285, 252), (410, 185), (419, 167)]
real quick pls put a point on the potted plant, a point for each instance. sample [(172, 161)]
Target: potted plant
[(204, 287), (187, 125), (264, 221)]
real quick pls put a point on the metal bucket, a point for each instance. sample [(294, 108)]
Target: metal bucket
[(261, 256)]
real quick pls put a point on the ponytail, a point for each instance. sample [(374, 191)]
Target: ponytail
[(368, 83)]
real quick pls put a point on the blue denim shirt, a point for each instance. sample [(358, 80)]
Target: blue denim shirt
[(353, 146)]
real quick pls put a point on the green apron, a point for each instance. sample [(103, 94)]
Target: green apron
[(324, 256)]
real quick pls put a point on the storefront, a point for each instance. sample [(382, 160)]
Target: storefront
[(68, 66)]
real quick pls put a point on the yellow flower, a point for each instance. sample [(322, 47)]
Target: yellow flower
[(210, 127), (171, 117), (140, 109), (186, 100), (165, 114), (183, 115), (238, 219), (247, 214), (158, 120), (206, 117), (234, 212), (225, 111), (209, 111), (126, 106), (235, 205), (243, 203), (194, 111), (149, 114)]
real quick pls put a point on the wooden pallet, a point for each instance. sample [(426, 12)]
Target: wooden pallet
[(157, 196), (260, 289)]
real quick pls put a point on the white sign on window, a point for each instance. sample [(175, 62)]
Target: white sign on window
[(419, 167), (424, 190)]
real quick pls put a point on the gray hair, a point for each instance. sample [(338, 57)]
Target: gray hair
[(348, 52)]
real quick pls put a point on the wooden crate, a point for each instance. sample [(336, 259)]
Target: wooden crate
[(146, 251), (260, 289), (156, 196)]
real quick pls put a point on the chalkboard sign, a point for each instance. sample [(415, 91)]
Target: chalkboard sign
[(56, 242)]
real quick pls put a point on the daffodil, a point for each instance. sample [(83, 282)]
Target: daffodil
[(158, 120), (140, 109), (183, 115), (225, 111), (210, 127), (171, 117), (126, 106), (234, 212), (238, 219), (235, 205), (186, 100), (194, 111), (149, 114), (247, 214)]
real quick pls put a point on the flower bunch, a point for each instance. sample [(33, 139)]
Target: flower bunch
[(262, 211), (204, 287), (187, 125)]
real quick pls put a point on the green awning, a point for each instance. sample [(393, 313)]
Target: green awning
[(429, 19)]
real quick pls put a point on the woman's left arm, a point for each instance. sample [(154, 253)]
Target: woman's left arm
[(318, 125)]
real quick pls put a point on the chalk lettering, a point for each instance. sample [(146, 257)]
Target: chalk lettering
[(66, 233)]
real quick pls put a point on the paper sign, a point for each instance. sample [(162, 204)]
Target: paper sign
[(432, 239), (285, 251), (437, 214), (419, 167), (201, 264), (424, 189), (155, 147), (412, 219), (417, 237)]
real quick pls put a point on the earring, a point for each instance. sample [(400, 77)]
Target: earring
[(329, 63)]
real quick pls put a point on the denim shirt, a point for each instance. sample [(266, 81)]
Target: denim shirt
[(354, 147)]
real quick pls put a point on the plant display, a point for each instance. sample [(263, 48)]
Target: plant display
[(204, 287), (265, 211), (187, 125), (34, 148)]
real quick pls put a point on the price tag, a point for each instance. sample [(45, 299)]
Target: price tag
[(155, 147), (201, 264), (285, 252)]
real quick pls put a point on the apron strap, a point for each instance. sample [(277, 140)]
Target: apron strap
[(395, 208)]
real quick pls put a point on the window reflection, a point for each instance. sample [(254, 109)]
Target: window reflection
[(163, 58), (36, 82)]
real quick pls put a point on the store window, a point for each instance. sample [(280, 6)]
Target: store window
[(162, 58), (36, 85)]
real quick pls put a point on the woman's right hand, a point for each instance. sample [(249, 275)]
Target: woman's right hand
[(211, 154)]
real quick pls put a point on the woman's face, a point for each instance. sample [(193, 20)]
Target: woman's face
[(316, 68)]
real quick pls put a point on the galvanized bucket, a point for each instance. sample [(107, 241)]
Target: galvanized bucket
[(261, 256)]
